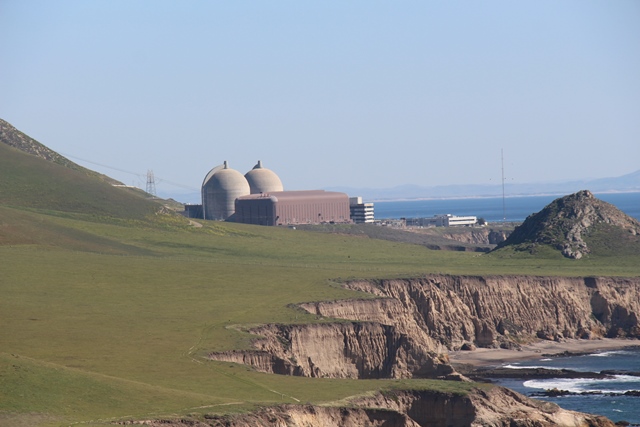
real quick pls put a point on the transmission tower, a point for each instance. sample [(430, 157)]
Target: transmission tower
[(151, 183)]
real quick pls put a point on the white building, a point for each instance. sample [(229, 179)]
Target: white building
[(448, 220), (360, 212)]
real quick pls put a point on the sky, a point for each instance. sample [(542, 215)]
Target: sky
[(363, 94)]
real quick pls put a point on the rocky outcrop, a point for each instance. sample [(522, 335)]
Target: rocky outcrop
[(446, 312), (490, 406), (405, 332), (566, 224), (339, 350), (478, 236)]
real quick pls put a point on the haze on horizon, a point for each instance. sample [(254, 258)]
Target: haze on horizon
[(328, 94)]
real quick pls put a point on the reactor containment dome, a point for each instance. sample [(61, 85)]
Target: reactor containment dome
[(220, 188), (263, 180)]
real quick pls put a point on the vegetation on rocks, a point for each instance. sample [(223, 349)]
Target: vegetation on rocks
[(577, 225)]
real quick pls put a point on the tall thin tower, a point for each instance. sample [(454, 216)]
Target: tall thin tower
[(504, 209), (151, 183)]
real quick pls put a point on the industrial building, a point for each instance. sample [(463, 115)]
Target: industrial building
[(361, 213), (293, 207), (262, 180), (446, 220), (223, 185), (258, 197)]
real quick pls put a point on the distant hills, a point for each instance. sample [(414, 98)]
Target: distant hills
[(624, 183), (12, 137)]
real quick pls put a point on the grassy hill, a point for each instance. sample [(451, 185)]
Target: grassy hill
[(29, 181), (12, 137), (109, 307)]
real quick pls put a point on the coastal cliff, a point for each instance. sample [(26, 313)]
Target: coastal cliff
[(408, 329), (489, 406), (361, 350), (495, 311)]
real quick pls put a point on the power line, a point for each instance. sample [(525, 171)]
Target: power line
[(151, 183), (139, 175), (104, 166)]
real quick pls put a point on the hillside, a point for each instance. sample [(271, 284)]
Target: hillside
[(35, 177), (12, 137), (577, 225), (113, 313)]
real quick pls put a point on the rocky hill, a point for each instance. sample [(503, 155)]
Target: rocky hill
[(577, 225)]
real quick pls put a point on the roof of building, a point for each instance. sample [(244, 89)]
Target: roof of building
[(224, 178), (263, 180), (299, 196)]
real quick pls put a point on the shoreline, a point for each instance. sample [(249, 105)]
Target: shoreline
[(485, 357)]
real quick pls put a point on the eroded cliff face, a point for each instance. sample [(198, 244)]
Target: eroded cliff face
[(491, 406), (479, 236), (339, 350), (406, 332), (500, 310)]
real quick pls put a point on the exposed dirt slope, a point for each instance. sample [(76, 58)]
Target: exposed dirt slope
[(406, 331), (496, 407), (497, 310), (340, 350)]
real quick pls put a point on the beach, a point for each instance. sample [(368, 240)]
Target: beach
[(498, 356)]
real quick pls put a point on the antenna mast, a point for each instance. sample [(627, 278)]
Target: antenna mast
[(151, 183), (504, 210)]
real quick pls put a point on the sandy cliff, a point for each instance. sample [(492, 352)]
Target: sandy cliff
[(361, 350), (406, 332), (490, 406), (414, 322), (501, 310)]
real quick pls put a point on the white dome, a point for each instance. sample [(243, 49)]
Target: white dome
[(220, 189), (263, 180)]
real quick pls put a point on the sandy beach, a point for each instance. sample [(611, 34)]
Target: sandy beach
[(492, 356)]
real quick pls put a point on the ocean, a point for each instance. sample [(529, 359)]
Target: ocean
[(516, 209), (616, 408)]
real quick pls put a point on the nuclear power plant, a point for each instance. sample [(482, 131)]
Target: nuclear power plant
[(258, 197)]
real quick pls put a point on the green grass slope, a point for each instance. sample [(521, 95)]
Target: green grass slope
[(125, 334), (107, 309), (28, 181), (12, 137)]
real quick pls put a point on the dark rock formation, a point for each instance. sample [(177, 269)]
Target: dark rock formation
[(568, 223)]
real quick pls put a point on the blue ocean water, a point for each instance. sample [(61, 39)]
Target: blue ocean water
[(516, 209), (616, 408)]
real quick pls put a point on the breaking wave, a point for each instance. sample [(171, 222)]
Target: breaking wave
[(615, 384)]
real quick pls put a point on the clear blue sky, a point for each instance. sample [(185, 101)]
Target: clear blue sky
[(328, 93)]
